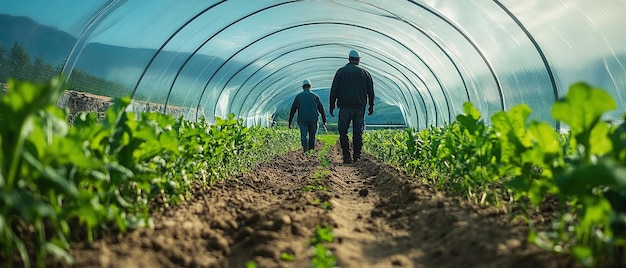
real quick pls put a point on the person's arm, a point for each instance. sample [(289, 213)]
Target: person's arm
[(369, 87), (334, 91), (320, 108), (294, 108)]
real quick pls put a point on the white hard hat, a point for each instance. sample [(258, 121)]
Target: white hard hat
[(354, 54), (306, 82)]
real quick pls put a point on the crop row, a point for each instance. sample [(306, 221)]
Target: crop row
[(60, 180), (526, 163)]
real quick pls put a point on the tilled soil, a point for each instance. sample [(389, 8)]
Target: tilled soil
[(381, 217)]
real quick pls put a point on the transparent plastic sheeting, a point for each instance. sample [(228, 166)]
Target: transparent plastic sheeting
[(213, 58)]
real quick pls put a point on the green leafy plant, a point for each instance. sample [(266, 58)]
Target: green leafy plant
[(328, 140), (251, 264), (287, 256), (582, 168), (97, 174), (322, 257)]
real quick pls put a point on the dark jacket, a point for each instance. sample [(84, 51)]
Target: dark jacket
[(308, 104), (352, 87)]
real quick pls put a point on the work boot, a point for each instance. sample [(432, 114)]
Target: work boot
[(347, 158), (357, 149)]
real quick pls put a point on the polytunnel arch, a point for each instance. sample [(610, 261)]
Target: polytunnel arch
[(303, 75), (291, 89), (539, 50), (269, 99), (433, 73), (284, 54), (266, 8), (246, 97), (543, 33), (332, 69), (344, 59), (143, 73), (269, 7), (417, 28)]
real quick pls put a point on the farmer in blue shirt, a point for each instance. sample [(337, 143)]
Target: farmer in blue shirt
[(351, 91), (308, 105)]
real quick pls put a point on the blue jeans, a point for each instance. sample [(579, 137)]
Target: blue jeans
[(357, 117), (308, 129)]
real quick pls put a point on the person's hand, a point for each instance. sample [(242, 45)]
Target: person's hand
[(370, 110), (289, 125), (332, 111)]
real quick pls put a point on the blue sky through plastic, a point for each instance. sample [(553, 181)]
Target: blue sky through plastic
[(427, 57)]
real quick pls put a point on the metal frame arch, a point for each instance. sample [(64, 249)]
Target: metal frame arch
[(267, 101), (298, 49), (394, 66), (256, 12), (539, 50), (374, 55), (143, 73), (73, 55), (415, 106), (423, 32), (446, 97), (263, 66), (459, 30), (113, 3), (202, 45), (274, 72)]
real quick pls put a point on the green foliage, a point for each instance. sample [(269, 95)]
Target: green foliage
[(322, 257), (313, 188), (581, 110), (328, 140), (28, 125), (322, 235), (251, 264), (18, 61), (459, 157), (321, 174), (287, 257), (585, 168), (58, 180)]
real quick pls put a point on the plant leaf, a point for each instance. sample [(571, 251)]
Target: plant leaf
[(582, 107)]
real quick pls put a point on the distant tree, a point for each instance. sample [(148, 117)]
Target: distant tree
[(18, 61), (41, 71)]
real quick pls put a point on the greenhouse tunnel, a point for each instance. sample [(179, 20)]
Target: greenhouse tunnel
[(212, 58)]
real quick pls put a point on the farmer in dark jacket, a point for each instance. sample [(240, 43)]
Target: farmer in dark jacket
[(351, 91), (308, 105)]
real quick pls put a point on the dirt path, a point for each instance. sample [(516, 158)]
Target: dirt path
[(380, 216)]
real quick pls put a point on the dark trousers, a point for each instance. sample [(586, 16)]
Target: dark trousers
[(307, 134), (356, 116)]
